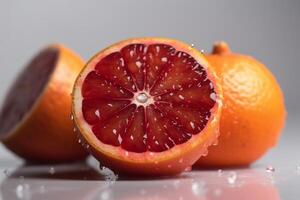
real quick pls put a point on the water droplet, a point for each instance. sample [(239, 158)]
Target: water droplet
[(114, 131), (202, 51), (188, 169), (5, 171), (51, 170), (138, 64), (164, 59), (213, 96), (71, 116), (74, 129), (298, 170), (180, 160), (151, 154), (126, 153), (192, 125), (108, 174), (97, 113), (105, 195), (79, 141), (42, 189), (232, 176), (205, 152), (23, 191), (181, 97), (220, 172), (199, 189), (192, 45), (270, 169)]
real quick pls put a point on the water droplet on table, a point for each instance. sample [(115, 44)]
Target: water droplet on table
[(23, 192), (51, 170), (199, 189), (231, 178), (220, 172), (270, 169), (108, 174)]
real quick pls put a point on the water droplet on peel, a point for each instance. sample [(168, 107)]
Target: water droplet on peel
[(192, 45), (205, 152), (51, 170), (199, 189), (188, 169), (202, 51), (71, 116), (126, 153), (151, 154), (270, 169), (232, 176), (108, 174), (79, 141)]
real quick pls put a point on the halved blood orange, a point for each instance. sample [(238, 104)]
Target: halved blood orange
[(35, 117), (147, 106)]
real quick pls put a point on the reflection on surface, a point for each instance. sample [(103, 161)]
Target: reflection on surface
[(85, 182)]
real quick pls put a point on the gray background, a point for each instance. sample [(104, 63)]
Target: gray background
[(268, 30)]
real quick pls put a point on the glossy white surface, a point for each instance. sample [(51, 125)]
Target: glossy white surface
[(85, 181)]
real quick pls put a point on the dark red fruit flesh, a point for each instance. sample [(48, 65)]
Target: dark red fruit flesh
[(147, 98), (27, 88)]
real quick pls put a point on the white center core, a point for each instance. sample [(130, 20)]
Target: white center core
[(142, 97)]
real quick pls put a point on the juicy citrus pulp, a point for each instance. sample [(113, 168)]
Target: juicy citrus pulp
[(145, 95), (34, 121), (23, 93)]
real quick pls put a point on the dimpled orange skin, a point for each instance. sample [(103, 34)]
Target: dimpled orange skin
[(253, 113), (46, 135)]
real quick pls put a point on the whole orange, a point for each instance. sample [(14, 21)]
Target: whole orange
[(253, 112)]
